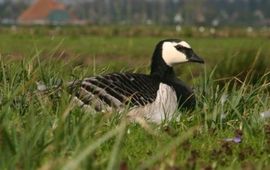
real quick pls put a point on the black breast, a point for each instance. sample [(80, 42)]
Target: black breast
[(185, 96)]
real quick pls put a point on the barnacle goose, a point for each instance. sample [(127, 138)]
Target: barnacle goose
[(154, 97)]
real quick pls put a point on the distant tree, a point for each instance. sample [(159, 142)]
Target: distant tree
[(11, 10), (191, 12)]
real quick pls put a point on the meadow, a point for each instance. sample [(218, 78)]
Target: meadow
[(42, 129)]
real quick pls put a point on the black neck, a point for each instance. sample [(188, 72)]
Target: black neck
[(159, 69)]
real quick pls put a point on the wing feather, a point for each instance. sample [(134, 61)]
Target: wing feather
[(97, 91), (109, 88), (117, 89)]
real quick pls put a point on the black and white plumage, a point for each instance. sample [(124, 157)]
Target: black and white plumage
[(154, 97)]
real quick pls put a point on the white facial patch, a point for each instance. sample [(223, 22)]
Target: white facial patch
[(184, 44), (171, 55)]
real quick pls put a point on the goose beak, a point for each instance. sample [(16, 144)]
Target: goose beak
[(195, 58)]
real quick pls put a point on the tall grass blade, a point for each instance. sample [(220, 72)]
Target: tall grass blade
[(174, 143), (74, 163), (114, 157)]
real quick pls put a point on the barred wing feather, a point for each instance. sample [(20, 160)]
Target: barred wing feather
[(116, 90)]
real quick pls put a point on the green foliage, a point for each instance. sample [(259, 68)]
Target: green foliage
[(249, 64), (44, 130)]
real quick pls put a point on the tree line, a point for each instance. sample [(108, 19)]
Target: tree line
[(169, 12)]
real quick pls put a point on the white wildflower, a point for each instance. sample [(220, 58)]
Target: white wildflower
[(223, 98), (265, 115), (41, 86)]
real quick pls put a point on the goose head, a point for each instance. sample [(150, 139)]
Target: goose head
[(177, 51), (171, 52)]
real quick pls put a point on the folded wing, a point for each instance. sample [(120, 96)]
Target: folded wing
[(116, 90)]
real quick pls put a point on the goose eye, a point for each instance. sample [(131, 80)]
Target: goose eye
[(179, 47)]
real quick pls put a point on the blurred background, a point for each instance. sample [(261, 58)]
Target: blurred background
[(120, 35), (46, 43), (254, 13)]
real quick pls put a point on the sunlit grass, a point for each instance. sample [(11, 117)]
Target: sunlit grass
[(42, 129)]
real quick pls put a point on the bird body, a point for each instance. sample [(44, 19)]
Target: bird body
[(155, 97)]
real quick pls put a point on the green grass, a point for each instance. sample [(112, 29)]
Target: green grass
[(42, 130)]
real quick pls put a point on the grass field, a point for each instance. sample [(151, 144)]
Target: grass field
[(42, 130)]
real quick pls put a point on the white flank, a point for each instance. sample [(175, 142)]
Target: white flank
[(162, 108), (171, 55)]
